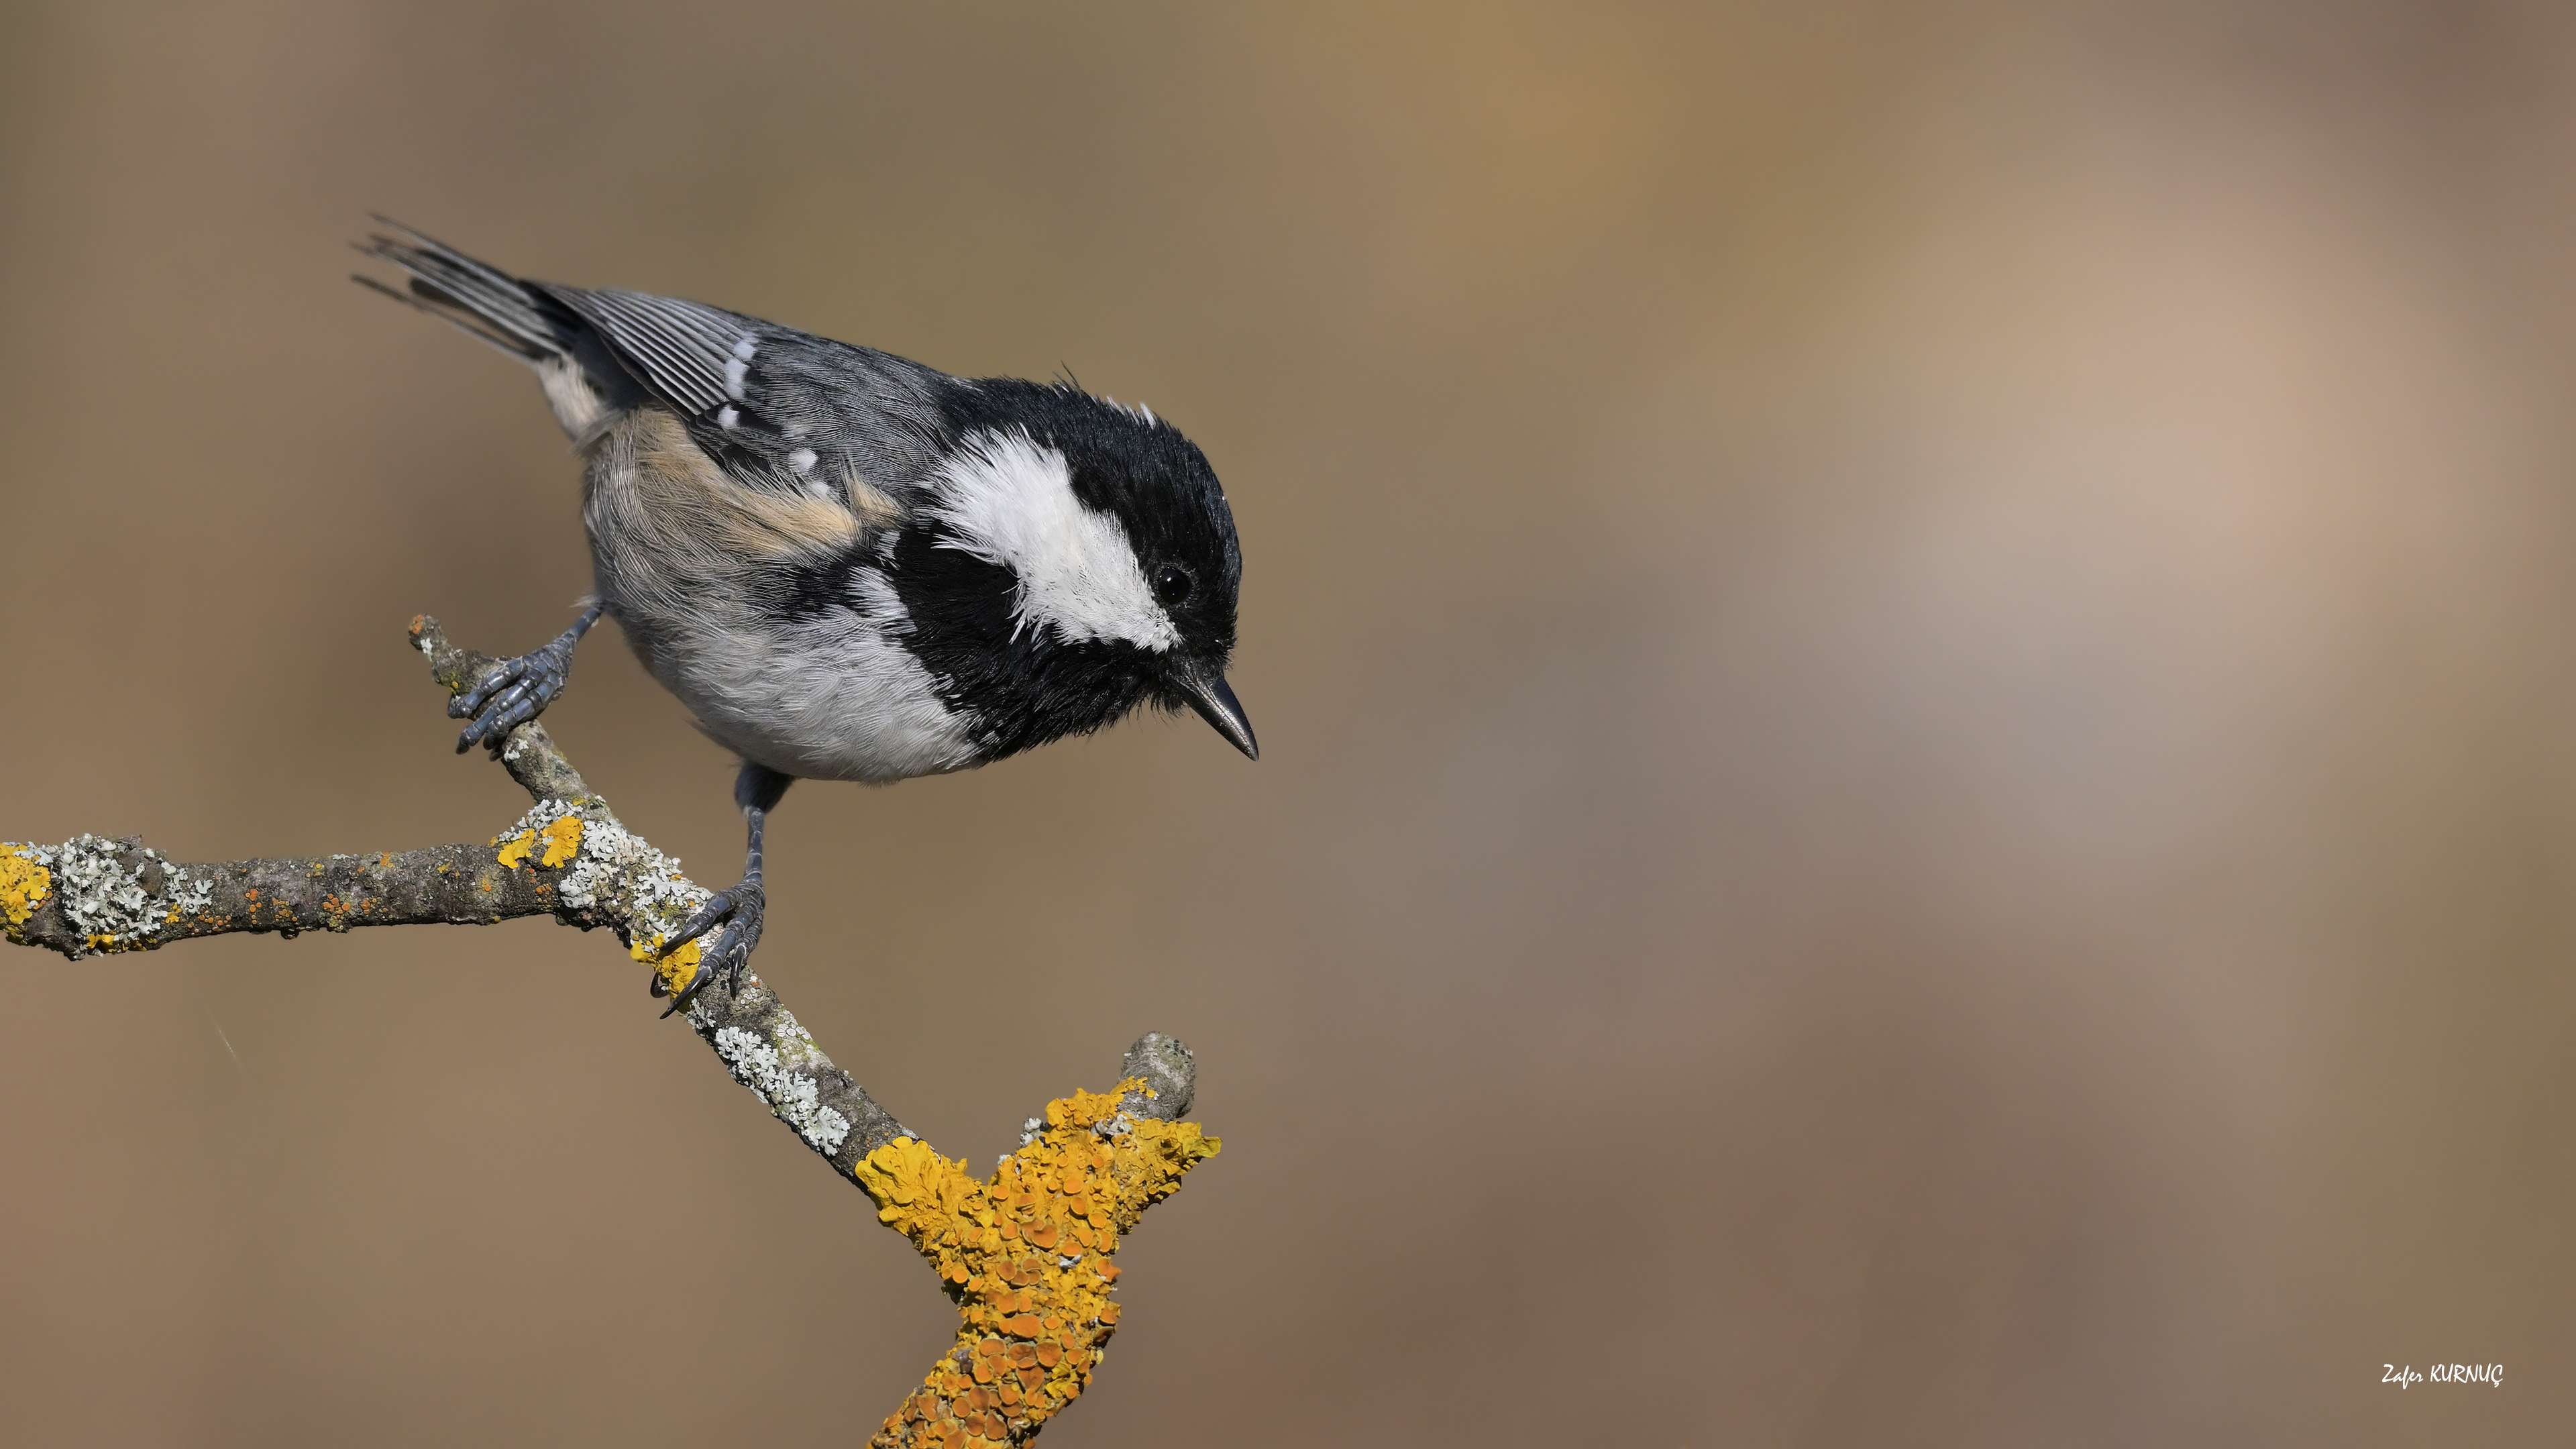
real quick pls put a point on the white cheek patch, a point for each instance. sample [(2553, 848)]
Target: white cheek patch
[(1009, 501)]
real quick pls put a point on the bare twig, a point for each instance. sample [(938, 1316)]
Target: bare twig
[(1025, 1255)]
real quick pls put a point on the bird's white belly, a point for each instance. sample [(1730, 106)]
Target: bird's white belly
[(829, 699)]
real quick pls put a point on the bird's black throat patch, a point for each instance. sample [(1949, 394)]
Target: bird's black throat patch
[(1019, 688)]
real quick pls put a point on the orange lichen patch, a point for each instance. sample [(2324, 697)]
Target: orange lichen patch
[(1032, 1296), (676, 969), (23, 887), (109, 941), (563, 842)]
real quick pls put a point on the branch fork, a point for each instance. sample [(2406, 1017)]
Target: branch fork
[(1024, 1254)]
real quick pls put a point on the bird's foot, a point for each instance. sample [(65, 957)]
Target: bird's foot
[(739, 909), (515, 691)]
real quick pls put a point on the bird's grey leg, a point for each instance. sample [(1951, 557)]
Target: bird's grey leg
[(757, 790), (518, 690)]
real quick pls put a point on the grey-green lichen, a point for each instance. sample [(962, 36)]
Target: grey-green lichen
[(610, 875), (793, 1096), (110, 905)]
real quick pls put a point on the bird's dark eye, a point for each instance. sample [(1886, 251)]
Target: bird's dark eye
[(1172, 584)]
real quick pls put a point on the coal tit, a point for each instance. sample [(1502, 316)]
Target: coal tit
[(847, 565)]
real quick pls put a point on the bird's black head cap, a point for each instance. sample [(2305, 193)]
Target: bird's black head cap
[(977, 591)]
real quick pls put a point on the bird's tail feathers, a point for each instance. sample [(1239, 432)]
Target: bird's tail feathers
[(447, 284)]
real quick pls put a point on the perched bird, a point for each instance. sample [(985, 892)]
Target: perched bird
[(850, 566)]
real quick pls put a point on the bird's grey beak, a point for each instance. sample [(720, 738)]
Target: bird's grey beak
[(1217, 705)]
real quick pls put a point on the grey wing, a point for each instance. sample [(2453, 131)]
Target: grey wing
[(779, 409), (677, 349)]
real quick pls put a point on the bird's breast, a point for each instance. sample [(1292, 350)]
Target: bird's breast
[(828, 697), (773, 629)]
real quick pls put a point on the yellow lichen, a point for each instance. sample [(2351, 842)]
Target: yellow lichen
[(110, 941), (23, 887), (675, 969), (1032, 1325), (563, 842)]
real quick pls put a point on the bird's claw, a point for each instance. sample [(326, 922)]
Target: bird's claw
[(511, 693), (739, 909)]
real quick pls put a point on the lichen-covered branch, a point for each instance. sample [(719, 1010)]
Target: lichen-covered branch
[(1024, 1254), (89, 895)]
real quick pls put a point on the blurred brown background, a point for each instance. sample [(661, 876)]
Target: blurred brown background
[(1920, 777)]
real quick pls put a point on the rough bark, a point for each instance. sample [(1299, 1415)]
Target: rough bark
[(570, 858)]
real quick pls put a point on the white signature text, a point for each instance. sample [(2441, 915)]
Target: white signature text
[(2490, 1374)]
